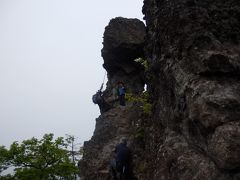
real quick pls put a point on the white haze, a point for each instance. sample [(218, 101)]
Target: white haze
[(50, 64)]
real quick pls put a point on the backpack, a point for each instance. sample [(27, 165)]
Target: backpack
[(96, 98)]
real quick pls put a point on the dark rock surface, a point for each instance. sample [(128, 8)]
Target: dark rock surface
[(193, 77), (193, 52), (123, 43), (110, 128)]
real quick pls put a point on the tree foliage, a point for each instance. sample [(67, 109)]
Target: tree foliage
[(143, 62), (3, 158), (143, 100), (47, 158)]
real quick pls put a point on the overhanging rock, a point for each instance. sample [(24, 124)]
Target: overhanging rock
[(123, 43)]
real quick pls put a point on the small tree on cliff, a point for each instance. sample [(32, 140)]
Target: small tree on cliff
[(41, 159)]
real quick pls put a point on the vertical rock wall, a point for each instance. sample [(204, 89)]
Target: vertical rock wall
[(123, 43), (194, 78)]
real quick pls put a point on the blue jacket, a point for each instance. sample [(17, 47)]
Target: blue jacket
[(121, 91)]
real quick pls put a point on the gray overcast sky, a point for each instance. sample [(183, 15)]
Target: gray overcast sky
[(50, 64)]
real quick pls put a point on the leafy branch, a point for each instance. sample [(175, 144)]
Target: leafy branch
[(143, 100)]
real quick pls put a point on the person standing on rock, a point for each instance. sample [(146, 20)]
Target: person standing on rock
[(121, 90), (123, 160)]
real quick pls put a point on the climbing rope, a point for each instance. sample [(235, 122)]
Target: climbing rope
[(103, 80), (104, 76)]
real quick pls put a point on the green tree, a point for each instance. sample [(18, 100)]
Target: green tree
[(47, 158), (74, 149), (3, 158)]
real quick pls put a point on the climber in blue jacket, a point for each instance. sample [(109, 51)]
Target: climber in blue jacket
[(121, 90)]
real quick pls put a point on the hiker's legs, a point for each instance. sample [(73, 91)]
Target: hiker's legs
[(100, 105), (113, 169), (127, 173), (105, 106), (122, 100), (124, 176)]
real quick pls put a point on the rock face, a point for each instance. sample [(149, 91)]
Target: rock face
[(194, 56), (123, 43), (193, 77)]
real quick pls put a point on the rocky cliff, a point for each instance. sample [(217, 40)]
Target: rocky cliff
[(123, 44), (193, 52), (193, 78)]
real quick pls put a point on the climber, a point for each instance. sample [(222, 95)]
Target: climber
[(123, 160), (121, 90), (99, 100)]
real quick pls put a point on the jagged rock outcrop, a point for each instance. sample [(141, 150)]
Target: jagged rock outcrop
[(123, 43), (111, 126), (193, 77), (194, 57)]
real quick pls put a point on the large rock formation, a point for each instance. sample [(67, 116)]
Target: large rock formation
[(194, 56), (123, 43), (193, 76)]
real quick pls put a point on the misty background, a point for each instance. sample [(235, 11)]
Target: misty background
[(51, 65)]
